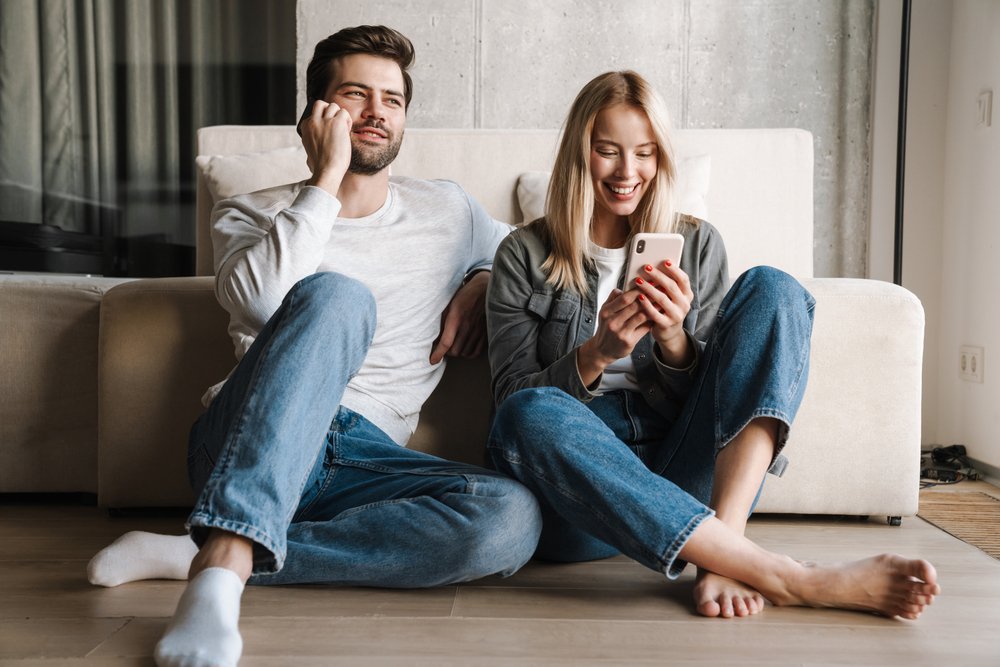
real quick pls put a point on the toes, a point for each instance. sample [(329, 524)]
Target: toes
[(709, 608), (727, 607), (740, 607), (920, 569)]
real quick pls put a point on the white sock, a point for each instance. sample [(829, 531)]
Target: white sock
[(139, 555), (205, 628)]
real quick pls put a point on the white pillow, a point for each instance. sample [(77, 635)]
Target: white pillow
[(230, 175), (692, 189)]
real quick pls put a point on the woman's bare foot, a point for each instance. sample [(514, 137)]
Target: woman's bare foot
[(715, 595), (886, 584)]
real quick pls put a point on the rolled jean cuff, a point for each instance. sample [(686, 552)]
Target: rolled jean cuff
[(267, 558), (779, 462), (673, 564)]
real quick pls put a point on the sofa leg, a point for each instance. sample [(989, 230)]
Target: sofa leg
[(894, 520)]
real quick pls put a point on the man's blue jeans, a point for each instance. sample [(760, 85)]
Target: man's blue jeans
[(326, 496), (613, 475)]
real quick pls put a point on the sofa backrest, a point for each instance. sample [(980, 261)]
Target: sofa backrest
[(759, 190)]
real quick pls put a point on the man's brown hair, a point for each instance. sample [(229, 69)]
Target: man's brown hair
[(376, 40)]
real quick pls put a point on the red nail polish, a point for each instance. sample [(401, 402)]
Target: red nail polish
[(649, 267), (667, 263), (638, 281), (642, 297)]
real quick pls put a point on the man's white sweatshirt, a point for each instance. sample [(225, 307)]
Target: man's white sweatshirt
[(413, 254)]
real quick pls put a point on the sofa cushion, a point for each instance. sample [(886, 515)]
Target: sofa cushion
[(692, 189), (229, 175)]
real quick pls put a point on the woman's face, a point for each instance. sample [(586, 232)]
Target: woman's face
[(623, 159)]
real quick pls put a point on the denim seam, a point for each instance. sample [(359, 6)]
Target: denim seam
[(364, 465), (626, 403), (268, 542), (351, 511), (205, 507), (327, 481), (803, 361)]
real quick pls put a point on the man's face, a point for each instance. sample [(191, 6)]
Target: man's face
[(370, 88)]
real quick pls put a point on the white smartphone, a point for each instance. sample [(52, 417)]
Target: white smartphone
[(651, 248)]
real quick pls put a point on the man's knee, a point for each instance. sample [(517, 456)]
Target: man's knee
[(508, 537), (327, 302), (333, 294)]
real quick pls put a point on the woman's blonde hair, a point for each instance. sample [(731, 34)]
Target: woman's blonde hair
[(569, 209)]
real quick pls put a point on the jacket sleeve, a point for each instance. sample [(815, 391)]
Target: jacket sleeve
[(514, 331), (262, 251)]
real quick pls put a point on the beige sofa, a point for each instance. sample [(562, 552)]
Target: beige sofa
[(100, 383)]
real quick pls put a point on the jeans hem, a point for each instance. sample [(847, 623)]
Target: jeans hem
[(778, 462), (267, 564), (673, 565)]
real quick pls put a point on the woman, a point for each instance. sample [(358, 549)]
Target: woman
[(644, 420)]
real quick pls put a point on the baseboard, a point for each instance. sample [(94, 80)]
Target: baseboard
[(990, 473)]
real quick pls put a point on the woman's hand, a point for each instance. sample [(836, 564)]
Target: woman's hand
[(666, 300), (326, 136), (621, 323)]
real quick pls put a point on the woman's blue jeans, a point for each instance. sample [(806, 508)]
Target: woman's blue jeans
[(325, 495), (613, 475)]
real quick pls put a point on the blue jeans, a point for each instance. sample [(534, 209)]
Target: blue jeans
[(613, 475), (326, 496)]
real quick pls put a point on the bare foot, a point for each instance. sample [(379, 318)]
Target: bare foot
[(887, 584), (715, 595)]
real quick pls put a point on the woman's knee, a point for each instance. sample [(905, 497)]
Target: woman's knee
[(533, 405), (774, 287), (526, 416)]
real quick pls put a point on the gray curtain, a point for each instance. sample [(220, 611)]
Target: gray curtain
[(100, 100), (57, 146)]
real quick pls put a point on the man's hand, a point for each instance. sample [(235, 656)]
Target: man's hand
[(326, 136), (463, 322)]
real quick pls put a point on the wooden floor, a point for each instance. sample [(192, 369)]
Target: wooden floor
[(612, 612)]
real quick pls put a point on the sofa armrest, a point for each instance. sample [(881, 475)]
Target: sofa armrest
[(855, 445), (49, 328), (162, 343)]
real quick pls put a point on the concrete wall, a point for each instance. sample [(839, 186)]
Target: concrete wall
[(719, 63)]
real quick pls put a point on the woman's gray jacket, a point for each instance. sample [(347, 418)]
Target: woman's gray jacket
[(534, 328)]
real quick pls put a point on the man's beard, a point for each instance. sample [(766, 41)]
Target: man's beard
[(367, 159)]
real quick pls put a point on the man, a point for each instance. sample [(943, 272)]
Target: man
[(335, 288)]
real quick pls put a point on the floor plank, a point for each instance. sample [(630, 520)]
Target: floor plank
[(611, 612)]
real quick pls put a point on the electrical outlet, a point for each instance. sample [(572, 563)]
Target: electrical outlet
[(970, 363)]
